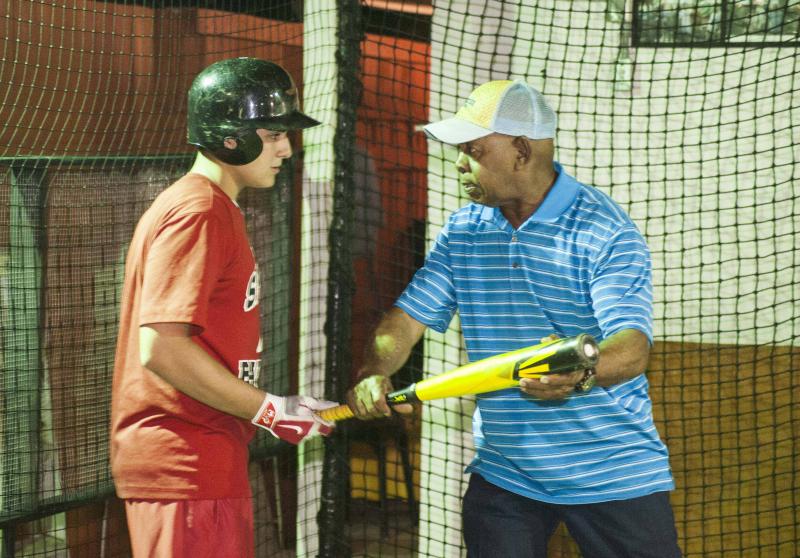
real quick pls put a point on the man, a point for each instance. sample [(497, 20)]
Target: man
[(187, 361), (538, 255)]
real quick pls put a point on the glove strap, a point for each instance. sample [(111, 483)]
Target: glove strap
[(265, 417)]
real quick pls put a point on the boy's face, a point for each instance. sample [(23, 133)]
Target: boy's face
[(262, 172)]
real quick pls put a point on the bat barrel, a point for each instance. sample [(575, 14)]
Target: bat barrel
[(576, 353), (560, 356)]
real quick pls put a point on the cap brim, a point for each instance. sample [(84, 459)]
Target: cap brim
[(293, 121), (455, 131), (301, 121)]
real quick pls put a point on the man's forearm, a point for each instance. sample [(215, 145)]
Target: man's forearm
[(623, 356), (391, 344), (388, 350)]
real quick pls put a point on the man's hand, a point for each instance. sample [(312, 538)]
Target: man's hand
[(552, 386), (293, 418), (623, 355), (368, 398)]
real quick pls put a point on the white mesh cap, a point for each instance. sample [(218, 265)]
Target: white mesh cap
[(506, 107)]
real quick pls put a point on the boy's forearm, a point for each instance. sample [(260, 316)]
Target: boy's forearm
[(183, 364)]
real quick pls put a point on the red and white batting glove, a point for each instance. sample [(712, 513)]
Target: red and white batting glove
[(293, 418)]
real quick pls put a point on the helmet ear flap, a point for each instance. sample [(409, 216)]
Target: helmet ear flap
[(242, 148)]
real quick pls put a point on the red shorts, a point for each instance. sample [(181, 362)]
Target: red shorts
[(191, 528)]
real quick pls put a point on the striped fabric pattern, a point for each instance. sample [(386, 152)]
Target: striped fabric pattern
[(578, 264)]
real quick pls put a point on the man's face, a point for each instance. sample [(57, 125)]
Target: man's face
[(484, 168), (262, 172)]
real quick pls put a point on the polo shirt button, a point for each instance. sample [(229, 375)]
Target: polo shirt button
[(513, 238), (515, 265)]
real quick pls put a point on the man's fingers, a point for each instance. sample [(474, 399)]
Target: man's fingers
[(551, 387), (369, 397), (383, 407), (404, 409), (559, 380)]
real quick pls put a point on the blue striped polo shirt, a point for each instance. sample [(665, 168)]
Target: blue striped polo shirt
[(578, 264)]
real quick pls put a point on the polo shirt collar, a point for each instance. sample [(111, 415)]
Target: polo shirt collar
[(555, 203)]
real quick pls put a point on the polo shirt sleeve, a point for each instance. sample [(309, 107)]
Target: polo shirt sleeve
[(183, 265), (430, 296), (621, 286)]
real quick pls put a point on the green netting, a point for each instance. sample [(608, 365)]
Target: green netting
[(685, 112)]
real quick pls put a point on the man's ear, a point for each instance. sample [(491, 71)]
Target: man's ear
[(524, 151)]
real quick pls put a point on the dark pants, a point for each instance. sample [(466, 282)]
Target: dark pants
[(501, 524)]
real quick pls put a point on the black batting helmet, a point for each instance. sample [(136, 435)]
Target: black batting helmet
[(233, 98)]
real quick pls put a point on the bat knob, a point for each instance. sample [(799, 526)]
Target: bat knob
[(590, 349)]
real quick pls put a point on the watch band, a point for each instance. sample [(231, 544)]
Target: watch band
[(587, 382)]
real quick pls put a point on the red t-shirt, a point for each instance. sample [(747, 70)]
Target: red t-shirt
[(190, 262)]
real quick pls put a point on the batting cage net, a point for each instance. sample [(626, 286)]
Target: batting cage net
[(686, 112)]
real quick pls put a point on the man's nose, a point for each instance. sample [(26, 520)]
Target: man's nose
[(462, 163)]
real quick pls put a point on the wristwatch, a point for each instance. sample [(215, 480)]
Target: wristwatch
[(587, 382)]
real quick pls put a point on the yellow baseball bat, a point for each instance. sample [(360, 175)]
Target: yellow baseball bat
[(501, 371)]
